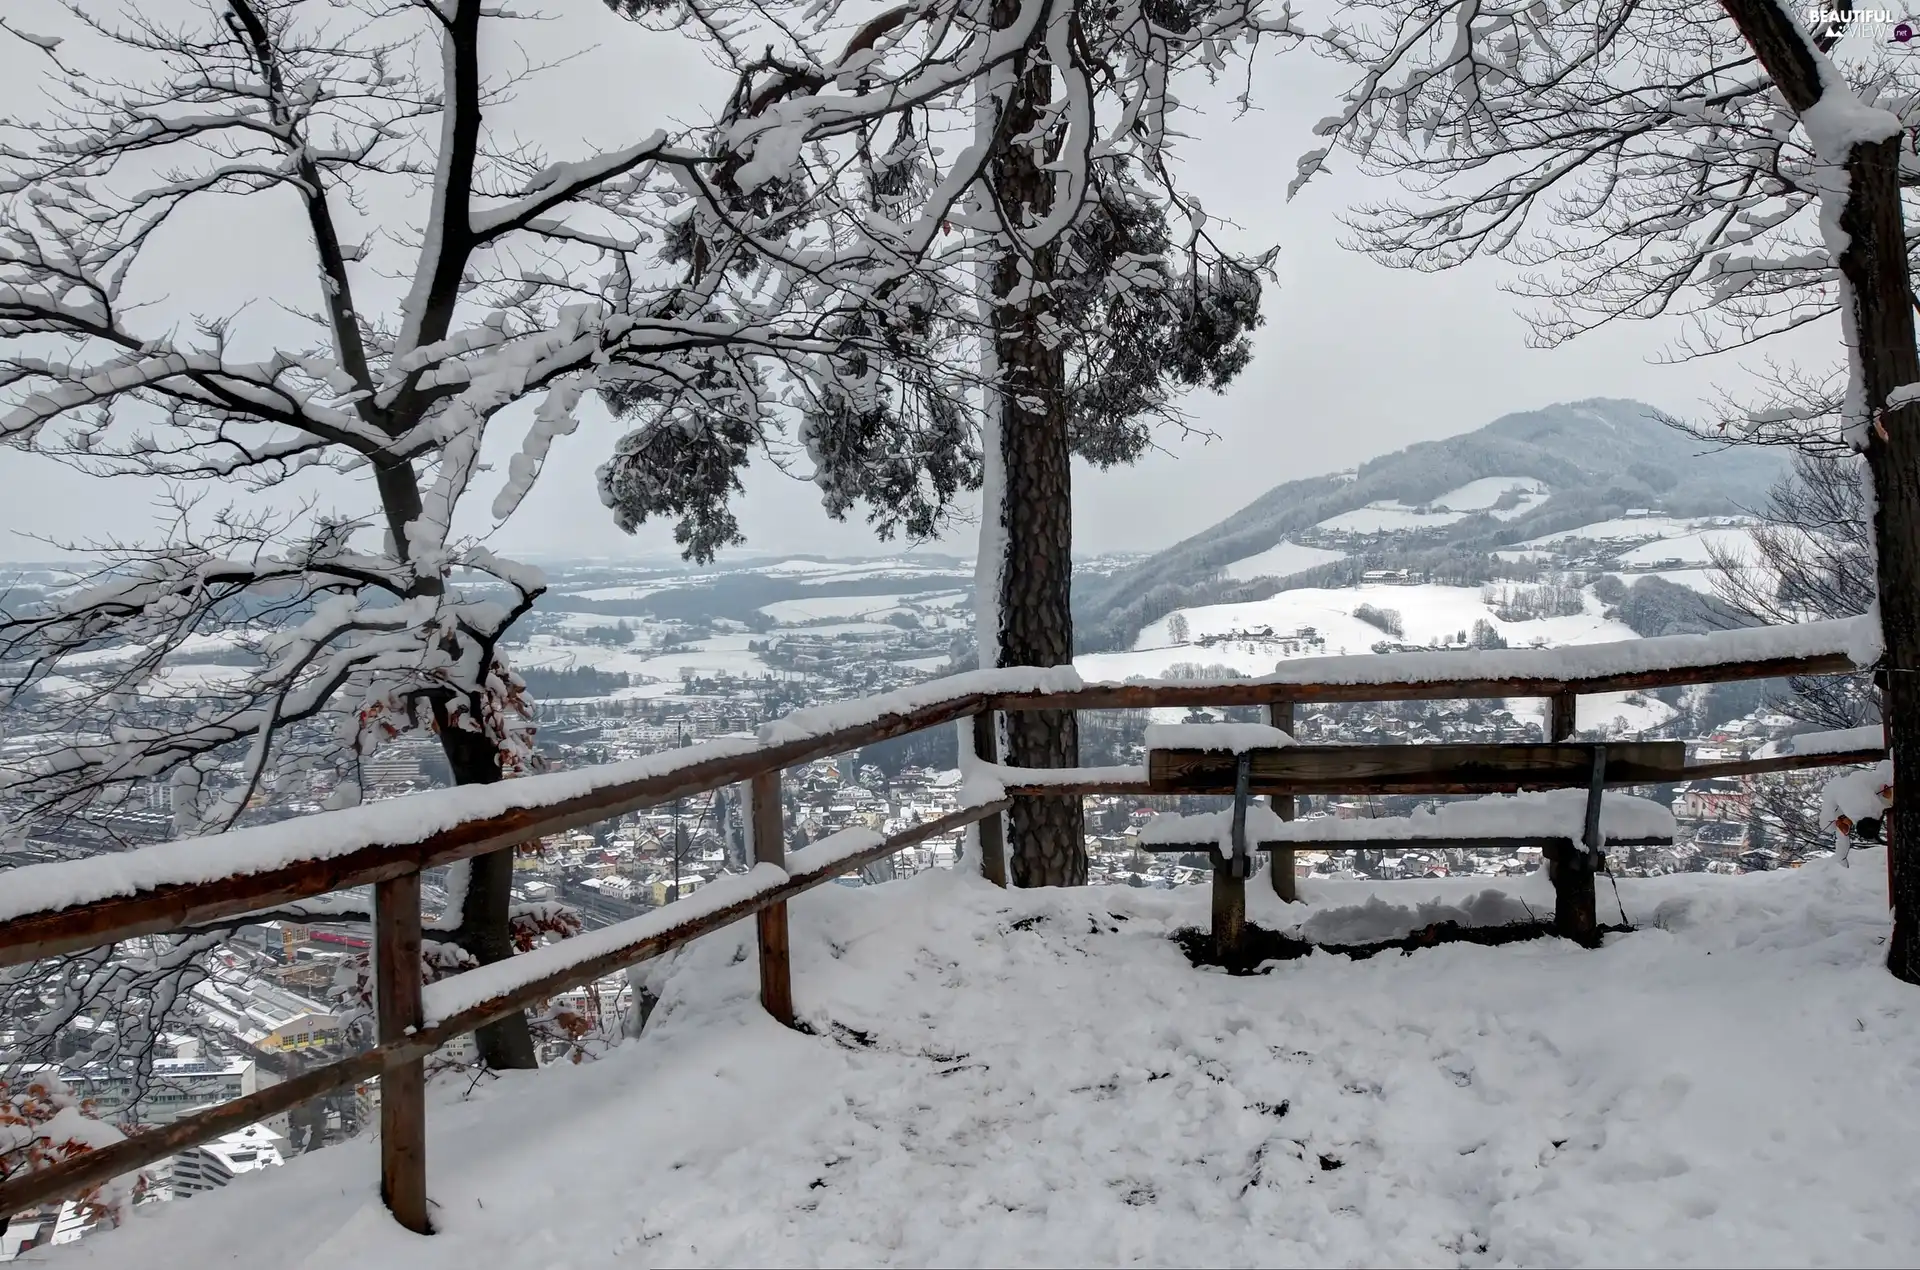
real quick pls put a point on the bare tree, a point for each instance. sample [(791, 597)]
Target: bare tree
[(461, 282), (1637, 151), (1810, 559)]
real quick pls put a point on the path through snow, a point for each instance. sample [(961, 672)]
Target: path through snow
[(1038, 1078)]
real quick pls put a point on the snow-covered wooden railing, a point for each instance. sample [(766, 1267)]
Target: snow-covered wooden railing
[(51, 909), (414, 1021)]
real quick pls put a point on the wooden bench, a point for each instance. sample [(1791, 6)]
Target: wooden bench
[(1242, 769)]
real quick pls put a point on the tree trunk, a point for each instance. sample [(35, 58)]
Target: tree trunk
[(484, 928), (1881, 335), (1046, 842)]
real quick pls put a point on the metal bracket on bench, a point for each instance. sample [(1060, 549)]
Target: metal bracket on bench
[(1240, 863), (1596, 783)]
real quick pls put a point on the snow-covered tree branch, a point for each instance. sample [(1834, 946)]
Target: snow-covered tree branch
[(460, 281)]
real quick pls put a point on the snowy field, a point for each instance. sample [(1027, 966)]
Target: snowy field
[(1385, 518), (1390, 516), (1280, 560), (1428, 611), (1628, 528), (814, 608), (715, 654), (1694, 548), (1039, 1078), (1482, 494)]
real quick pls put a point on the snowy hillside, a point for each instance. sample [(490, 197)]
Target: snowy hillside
[(1501, 497), (1251, 638), (729, 619), (1523, 489), (1040, 1078), (1280, 560)]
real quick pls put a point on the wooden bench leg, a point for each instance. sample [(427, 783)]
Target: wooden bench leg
[(1572, 865), (1285, 884), (1229, 913), (1575, 910)]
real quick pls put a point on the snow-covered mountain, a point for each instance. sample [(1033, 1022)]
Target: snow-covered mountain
[(1601, 486)]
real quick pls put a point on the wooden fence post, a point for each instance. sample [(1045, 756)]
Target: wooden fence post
[(770, 847), (1570, 866), (1230, 877), (992, 831), (1229, 912), (1280, 715), (1560, 711), (403, 1086)]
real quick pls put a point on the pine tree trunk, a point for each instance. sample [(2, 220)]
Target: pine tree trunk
[(1874, 265), (484, 930), (1046, 842)]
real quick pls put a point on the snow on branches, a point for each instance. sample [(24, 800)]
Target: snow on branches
[(43, 1123), (1635, 157), (887, 413), (722, 275)]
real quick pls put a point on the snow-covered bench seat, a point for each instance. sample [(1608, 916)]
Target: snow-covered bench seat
[(1538, 819)]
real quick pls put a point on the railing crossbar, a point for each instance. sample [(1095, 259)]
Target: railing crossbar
[(140, 1149)]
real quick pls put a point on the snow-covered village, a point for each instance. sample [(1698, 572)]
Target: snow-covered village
[(964, 632)]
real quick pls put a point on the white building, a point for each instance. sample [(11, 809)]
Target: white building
[(177, 1086), (212, 1165), (266, 1015)]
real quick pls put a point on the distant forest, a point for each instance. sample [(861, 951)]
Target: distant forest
[(545, 684)]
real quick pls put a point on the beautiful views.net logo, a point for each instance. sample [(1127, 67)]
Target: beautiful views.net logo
[(1888, 26)]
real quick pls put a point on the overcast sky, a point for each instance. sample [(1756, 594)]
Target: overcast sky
[(1355, 360)]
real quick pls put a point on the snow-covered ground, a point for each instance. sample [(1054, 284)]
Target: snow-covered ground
[(1390, 516), (813, 608), (1280, 560), (1387, 517), (618, 593), (728, 653), (1692, 548), (1039, 1078), (1482, 494), (1628, 528)]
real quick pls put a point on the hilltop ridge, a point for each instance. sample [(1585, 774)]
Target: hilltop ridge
[(1588, 460)]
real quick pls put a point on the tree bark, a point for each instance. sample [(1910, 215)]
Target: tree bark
[(1046, 836), (1874, 265), (484, 911), (485, 929)]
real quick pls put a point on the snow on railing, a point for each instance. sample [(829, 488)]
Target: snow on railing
[(1838, 741), (331, 835), (830, 857), (1236, 738), (817, 731)]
